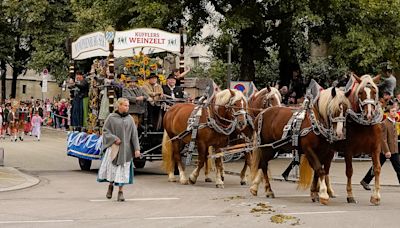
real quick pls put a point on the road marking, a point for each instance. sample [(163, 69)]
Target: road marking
[(35, 221), (182, 217), (138, 199), (316, 212)]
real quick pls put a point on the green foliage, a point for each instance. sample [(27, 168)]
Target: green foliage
[(49, 39)]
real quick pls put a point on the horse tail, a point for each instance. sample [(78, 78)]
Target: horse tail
[(168, 163), (255, 158), (306, 173)]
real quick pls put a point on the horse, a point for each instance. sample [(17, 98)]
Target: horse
[(328, 112), (225, 113), (265, 98), (363, 130)]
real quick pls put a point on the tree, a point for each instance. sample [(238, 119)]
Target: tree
[(19, 48), (361, 33), (48, 39)]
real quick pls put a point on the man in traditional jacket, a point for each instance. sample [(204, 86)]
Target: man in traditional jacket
[(137, 99), (120, 144), (155, 92), (171, 90)]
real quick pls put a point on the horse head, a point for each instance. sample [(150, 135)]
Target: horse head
[(272, 97), (231, 105), (333, 104), (366, 95)]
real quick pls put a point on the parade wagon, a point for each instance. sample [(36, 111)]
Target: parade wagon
[(126, 53)]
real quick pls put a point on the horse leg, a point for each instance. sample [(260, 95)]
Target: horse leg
[(178, 159), (314, 189), (256, 182), (202, 158), (327, 167), (219, 174), (323, 192), (208, 165), (349, 172), (376, 197), (268, 190), (243, 178)]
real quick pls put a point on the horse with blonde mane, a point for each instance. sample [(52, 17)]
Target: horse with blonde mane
[(363, 130), (225, 114), (265, 98), (324, 122)]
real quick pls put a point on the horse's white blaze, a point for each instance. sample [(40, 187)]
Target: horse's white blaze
[(368, 92), (339, 125)]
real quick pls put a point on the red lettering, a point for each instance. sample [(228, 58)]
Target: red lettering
[(132, 40)]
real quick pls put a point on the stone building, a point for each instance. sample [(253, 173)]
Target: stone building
[(28, 85)]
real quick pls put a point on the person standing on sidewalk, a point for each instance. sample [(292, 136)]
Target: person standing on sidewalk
[(120, 144), (390, 149)]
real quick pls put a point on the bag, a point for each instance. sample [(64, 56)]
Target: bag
[(114, 151)]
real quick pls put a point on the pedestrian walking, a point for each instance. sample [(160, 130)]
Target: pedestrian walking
[(390, 149), (120, 145), (37, 125)]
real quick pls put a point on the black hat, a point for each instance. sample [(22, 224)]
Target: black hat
[(171, 76), (131, 78), (152, 75)]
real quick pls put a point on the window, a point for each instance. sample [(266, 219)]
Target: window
[(195, 61), (23, 89)]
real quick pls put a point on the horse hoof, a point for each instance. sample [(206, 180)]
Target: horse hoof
[(220, 186), (315, 199), (253, 192), (324, 201), (222, 178), (243, 183), (270, 195), (332, 196), (172, 179), (184, 182), (192, 181), (351, 200), (375, 201), (208, 179)]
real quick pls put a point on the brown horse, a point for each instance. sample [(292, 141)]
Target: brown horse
[(329, 112), (363, 130), (225, 113), (265, 98)]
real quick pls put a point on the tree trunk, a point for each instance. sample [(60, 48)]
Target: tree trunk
[(247, 66), (3, 69), (288, 60), (14, 83)]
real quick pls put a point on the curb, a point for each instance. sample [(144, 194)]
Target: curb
[(28, 182)]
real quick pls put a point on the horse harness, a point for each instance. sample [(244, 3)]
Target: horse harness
[(292, 130)]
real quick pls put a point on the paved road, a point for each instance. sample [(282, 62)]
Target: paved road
[(68, 197)]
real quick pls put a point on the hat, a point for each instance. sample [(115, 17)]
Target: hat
[(171, 76), (131, 78), (152, 75)]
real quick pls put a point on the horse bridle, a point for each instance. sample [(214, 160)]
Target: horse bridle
[(338, 119)]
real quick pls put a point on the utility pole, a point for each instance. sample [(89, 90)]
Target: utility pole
[(228, 81)]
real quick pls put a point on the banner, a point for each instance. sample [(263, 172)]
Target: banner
[(90, 45), (247, 88), (144, 37)]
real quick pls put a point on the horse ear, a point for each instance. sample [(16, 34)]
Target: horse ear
[(358, 79), (268, 88), (333, 92), (232, 92), (376, 79)]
